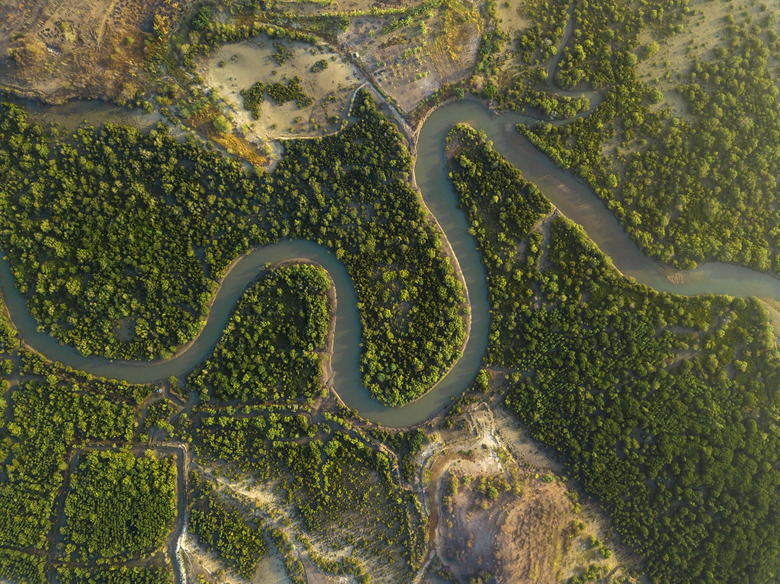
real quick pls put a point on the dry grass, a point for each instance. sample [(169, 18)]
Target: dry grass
[(529, 530), (56, 50), (412, 62)]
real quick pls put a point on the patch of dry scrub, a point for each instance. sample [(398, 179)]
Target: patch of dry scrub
[(77, 48)]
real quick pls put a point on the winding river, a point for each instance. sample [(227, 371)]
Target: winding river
[(573, 199)]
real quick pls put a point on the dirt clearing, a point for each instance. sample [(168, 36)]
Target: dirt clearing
[(323, 76), (77, 48), (413, 57), (501, 509)]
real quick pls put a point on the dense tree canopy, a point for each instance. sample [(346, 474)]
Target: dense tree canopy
[(665, 407)]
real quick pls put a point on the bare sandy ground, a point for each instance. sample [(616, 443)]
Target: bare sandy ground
[(529, 530), (704, 30), (238, 66)]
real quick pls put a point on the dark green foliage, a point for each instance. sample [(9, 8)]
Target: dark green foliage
[(202, 18), (137, 227), (691, 189), (490, 44), (87, 238), (406, 445), (253, 97), (411, 15), (119, 505), (120, 575), (388, 247), (290, 91), (24, 568), (269, 349), (158, 414), (320, 65), (223, 530), (662, 405)]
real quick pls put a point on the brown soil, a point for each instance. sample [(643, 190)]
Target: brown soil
[(237, 66), (704, 30), (318, 7), (412, 62), (517, 538), (530, 531), (56, 50)]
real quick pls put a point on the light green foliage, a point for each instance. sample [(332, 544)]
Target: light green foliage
[(22, 567), (338, 483), (47, 417), (221, 124), (119, 505), (120, 575)]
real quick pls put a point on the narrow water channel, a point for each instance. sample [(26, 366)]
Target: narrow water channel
[(574, 199)]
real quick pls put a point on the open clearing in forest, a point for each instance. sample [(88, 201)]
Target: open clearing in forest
[(235, 67), (529, 529), (319, 7), (200, 563)]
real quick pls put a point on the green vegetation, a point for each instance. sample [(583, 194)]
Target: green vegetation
[(320, 65), (47, 417), (344, 490), (27, 568), (203, 18), (282, 53), (292, 565), (223, 530), (688, 188), (412, 329), (268, 352), (406, 445), (253, 97), (158, 414), (119, 505), (290, 91), (117, 238), (43, 418), (120, 575), (664, 406), (109, 269)]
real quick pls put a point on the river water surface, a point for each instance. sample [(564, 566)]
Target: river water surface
[(574, 199)]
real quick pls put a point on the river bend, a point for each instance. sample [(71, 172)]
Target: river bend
[(573, 198)]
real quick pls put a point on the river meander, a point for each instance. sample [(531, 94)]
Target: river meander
[(574, 199)]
